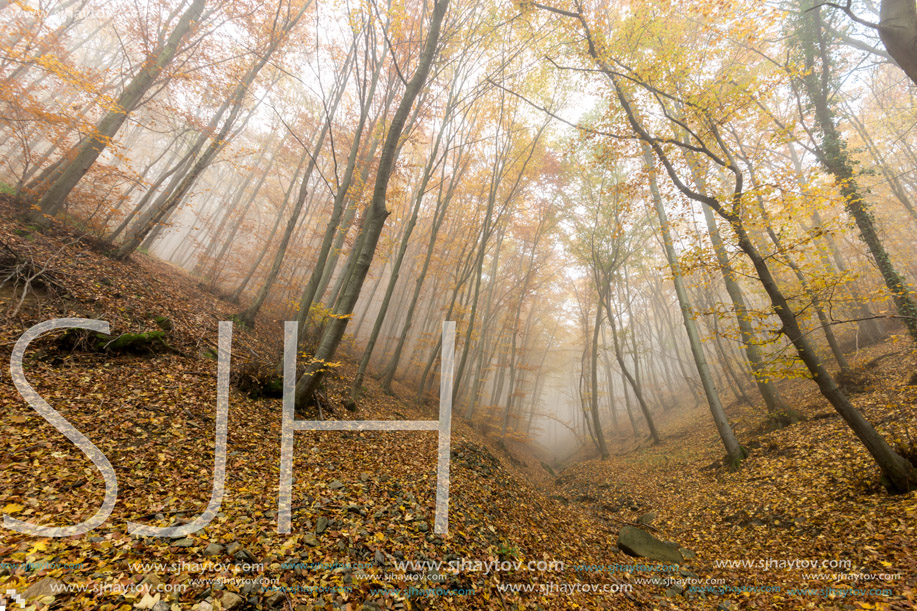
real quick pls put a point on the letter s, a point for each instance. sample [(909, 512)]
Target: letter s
[(61, 424)]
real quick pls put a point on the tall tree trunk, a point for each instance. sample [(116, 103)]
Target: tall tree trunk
[(421, 189), (376, 215), (442, 205), (734, 451), (478, 363), (180, 167), (635, 386), (85, 153), (223, 242), (832, 151), (609, 380), (594, 385), (321, 270), (768, 391)]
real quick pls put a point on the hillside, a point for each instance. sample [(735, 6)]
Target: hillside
[(363, 502)]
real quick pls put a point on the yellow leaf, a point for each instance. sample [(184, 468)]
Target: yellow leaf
[(39, 547)]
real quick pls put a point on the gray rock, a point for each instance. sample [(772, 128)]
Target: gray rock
[(310, 540), (244, 556), (275, 600), (647, 518), (379, 558), (233, 547), (687, 554), (421, 526), (726, 605), (336, 484), (321, 525), (674, 591), (231, 600), (214, 549), (183, 542), (636, 542), (47, 586)]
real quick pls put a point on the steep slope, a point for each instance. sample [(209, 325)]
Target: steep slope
[(364, 502)]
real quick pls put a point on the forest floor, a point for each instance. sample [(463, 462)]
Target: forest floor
[(364, 501)]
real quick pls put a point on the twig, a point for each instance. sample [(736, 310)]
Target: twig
[(849, 11)]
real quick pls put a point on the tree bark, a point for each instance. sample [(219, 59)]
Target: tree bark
[(594, 385), (898, 31)]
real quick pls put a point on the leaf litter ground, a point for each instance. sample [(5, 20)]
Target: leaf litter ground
[(364, 502)]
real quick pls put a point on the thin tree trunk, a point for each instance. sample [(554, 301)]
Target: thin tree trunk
[(376, 215), (84, 154), (768, 391), (734, 451), (594, 385), (619, 356)]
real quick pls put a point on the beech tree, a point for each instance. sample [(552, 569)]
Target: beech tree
[(377, 213), (80, 158), (629, 211), (900, 473)]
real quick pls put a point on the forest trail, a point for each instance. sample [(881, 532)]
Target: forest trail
[(368, 497)]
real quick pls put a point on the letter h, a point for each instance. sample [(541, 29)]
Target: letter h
[(290, 424)]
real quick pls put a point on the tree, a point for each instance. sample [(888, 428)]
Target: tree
[(372, 226), (900, 473), (248, 316), (281, 26), (818, 81), (735, 452), (81, 157)]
